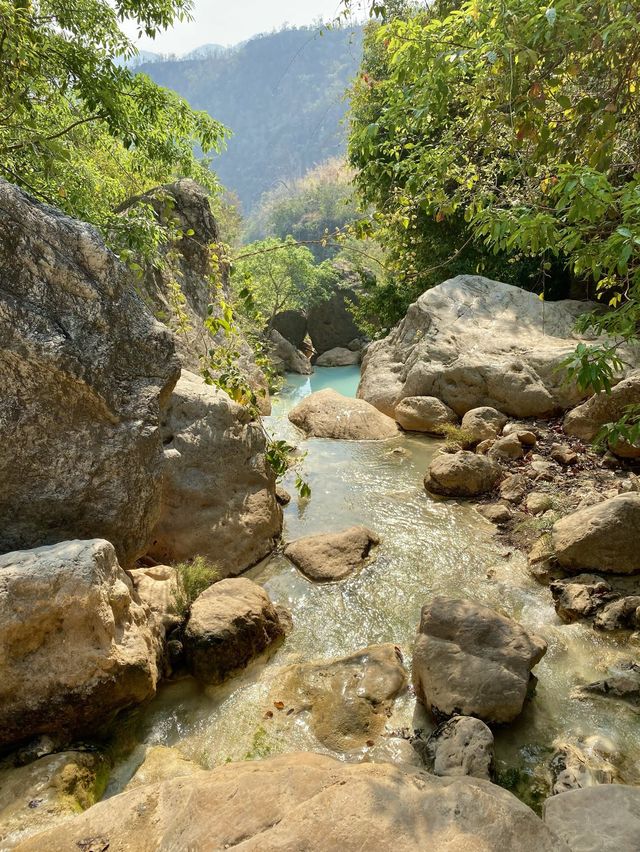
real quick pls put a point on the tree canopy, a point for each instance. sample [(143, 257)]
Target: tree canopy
[(515, 126), (79, 129)]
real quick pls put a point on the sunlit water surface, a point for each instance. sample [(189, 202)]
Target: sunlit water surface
[(428, 547)]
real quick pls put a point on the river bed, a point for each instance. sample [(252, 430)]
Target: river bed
[(428, 547)]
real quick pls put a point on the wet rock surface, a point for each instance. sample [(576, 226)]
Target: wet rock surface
[(462, 474), (328, 557), (327, 414)]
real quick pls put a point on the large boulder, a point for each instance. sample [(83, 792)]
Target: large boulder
[(330, 323), (310, 802), (230, 623), (218, 495), (483, 424), (604, 818), (586, 420), (602, 537), (286, 358), (469, 660), (347, 700), (76, 646), (474, 342), (193, 253), (424, 414), (328, 414), (462, 474), (338, 357), (331, 556), (85, 375)]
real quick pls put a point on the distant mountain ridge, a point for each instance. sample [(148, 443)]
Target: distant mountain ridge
[(282, 95)]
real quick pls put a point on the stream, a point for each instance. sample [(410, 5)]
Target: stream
[(428, 547)]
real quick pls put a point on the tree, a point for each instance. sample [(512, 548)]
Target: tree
[(322, 202), (517, 123), (78, 128), (277, 275)]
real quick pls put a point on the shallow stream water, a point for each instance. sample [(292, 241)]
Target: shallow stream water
[(428, 547)]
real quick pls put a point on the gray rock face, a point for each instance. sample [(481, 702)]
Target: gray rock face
[(601, 537), (473, 342), (330, 323), (331, 556), (218, 494), (292, 325), (585, 420), (461, 746), (310, 802), (286, 358), (424, 414), (338, 357), (469, 660), (185, 205), (85, 374), (230, 623), (462, 474), (76, 644), (604, 818), (328, 414)]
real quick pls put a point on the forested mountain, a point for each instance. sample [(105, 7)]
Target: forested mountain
[(281, 94)]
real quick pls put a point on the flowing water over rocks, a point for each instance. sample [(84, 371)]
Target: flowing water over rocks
[(428, 547)]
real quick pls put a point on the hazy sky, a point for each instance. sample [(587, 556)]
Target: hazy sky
[(227, 22)]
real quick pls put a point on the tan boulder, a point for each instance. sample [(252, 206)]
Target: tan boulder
[(230, 624), (462, 474), (328, 414), (604, 818), (507, 447), (424, 414), (158, 587), (483, 423), (218, 496), (586, 420), (602, 537), (76, 645), (475, 342), (310, 802), (470, 660), (331, 556), (347, 699), (339, 356)]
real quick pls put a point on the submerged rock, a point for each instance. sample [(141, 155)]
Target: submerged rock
[(218, 496), (424, 414), (310, 802), (328, 414), (230, 624), (331, 556), (622, 684), (462, 474), (470, 660), (605, 818), (473, 342), (85, 373), (340, 356), (347, 698), (602, 537), (462, 745), (76, 645), (583, 762)]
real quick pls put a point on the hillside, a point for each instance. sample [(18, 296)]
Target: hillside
[(281, 94)]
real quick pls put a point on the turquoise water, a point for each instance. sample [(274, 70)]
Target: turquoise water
[(428, 547)]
